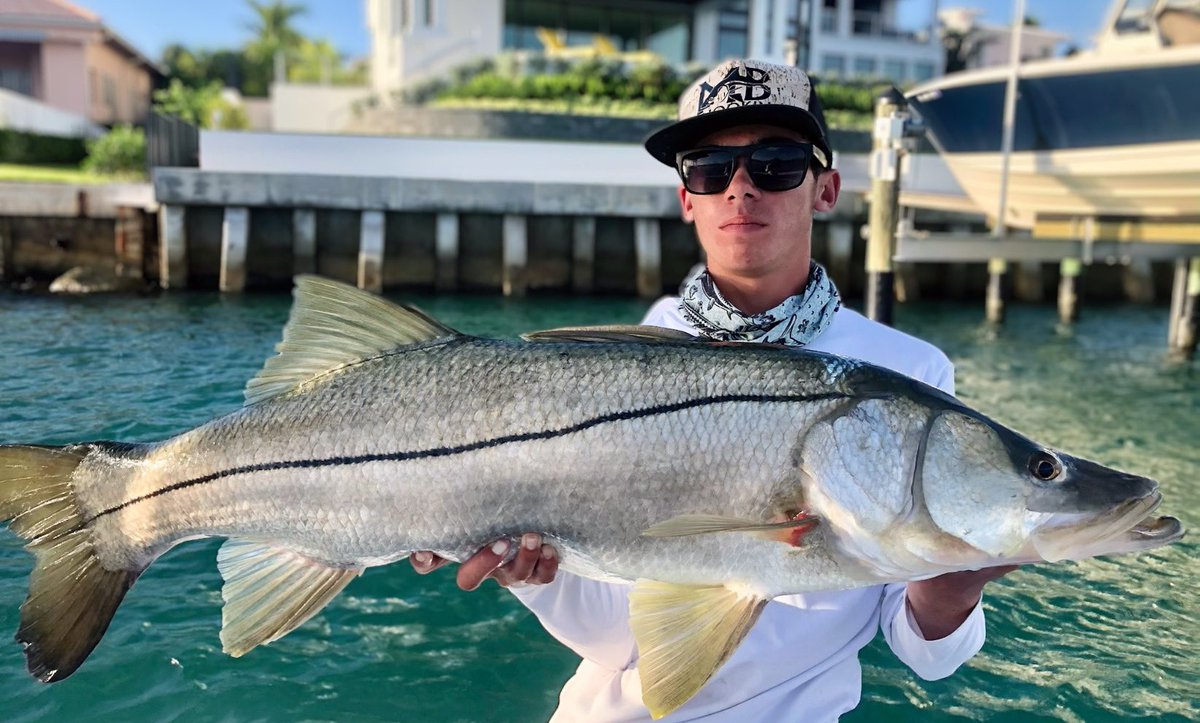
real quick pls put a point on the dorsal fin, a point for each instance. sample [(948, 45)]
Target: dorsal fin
[(642, 334), (334, 324)]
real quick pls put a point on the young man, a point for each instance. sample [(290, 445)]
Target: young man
[(755, 167)]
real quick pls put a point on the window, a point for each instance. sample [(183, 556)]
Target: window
[(895, 70), (429, 13), (833, 64), (733, 28), (658, 27), (922, 71), (865, 67)]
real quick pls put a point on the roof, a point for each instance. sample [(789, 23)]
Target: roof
[(63, 13), (49, 9)]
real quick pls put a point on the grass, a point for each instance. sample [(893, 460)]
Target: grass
[(55, 174)]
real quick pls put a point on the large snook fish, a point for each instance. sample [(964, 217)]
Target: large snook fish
[(716, 476)]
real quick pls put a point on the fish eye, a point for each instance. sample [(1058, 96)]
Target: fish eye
[(1044, 466)]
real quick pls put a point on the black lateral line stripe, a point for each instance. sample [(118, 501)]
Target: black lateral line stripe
[(464, 448)]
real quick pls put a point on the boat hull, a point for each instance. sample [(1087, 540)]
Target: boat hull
[(1094, 136)]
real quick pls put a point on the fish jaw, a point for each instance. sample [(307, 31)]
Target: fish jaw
[(1129, 528)]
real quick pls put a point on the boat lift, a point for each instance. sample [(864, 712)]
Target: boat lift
[(1072, 242)]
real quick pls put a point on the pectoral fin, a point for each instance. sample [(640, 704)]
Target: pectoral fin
[(684, 633), (790, 531), (270, 591)]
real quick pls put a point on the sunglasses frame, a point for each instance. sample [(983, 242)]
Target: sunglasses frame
[(815, 155)]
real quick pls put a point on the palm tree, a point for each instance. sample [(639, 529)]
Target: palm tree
[(273, 32)]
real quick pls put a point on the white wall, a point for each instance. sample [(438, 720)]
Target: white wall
[(408, 45), (504, 161), (22, 113), (301, 108)]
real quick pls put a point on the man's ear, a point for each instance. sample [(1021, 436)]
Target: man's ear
[(829, 186), (685, 205)]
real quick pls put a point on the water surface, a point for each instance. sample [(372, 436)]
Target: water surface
[(1104, 640)]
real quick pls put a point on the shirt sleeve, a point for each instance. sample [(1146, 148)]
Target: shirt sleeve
[(929, 659), (588, 616)]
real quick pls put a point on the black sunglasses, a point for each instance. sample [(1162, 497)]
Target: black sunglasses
[(773, 166)]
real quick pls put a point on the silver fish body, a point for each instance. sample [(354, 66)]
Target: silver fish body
[(716, 476)]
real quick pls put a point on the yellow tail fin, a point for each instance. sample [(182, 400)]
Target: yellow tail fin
[(72, 598)]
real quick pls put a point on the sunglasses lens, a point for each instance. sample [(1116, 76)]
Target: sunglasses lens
[(778, 168), (705, 172)]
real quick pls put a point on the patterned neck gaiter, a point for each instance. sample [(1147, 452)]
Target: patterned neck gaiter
[(795, 322)]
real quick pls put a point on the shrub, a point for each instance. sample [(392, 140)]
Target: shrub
[(121, 152), (34, 148)]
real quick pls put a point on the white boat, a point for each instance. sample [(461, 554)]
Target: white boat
[(1113, 132)]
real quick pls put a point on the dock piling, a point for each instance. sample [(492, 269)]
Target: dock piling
[(884, 199), (446, 251), (5, 247), (1068, 292), (648, 246), (235, 232), (1137, 278), (516, 254), (994, 306), (370, 252), (840, 250), (583, 254), (172, 235), (1185, 307), (304, 241)]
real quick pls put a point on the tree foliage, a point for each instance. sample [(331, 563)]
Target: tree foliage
[(201, 106), (251, 68)]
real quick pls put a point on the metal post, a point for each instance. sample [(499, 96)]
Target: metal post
[(235, 233), (890, 116), (647, 239), (997, 267), (1068, 293)]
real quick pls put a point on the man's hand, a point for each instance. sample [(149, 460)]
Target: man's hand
[(941, 604), (535, 563)]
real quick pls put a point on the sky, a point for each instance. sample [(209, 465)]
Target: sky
[(151, 25)]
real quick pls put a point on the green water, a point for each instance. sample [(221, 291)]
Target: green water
[(1112, 639)]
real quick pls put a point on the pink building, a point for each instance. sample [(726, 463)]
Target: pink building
[(62, 55)]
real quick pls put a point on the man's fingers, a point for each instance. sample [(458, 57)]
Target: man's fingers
[(482, 564), (425, 562), (521, 567), (546, 567)]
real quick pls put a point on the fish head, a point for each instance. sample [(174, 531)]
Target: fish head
[(1014, 500)]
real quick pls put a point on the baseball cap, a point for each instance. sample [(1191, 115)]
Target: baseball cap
[(742, 92)]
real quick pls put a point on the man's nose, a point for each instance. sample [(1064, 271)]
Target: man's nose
[(741, 185)]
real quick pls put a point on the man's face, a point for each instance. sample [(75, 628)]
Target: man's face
[(751, 236)]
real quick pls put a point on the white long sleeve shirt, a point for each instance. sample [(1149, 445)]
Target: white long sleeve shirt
[(800, 660)]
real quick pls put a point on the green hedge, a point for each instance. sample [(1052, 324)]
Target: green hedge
[(33, 148)]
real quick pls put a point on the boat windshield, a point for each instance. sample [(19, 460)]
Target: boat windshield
[(1135, 16)]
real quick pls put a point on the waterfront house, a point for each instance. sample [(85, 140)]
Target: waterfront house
[(894, 39), (63, 56)]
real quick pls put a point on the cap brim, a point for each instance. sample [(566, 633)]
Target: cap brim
[(666, 142)]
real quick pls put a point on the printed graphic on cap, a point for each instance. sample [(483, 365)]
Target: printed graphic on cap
[(741, 85)]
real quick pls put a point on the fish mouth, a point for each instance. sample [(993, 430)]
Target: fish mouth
[(1129, 527)]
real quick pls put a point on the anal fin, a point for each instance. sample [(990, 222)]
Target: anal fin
[(270, 591), (684, 634)]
